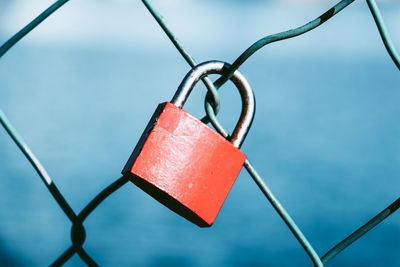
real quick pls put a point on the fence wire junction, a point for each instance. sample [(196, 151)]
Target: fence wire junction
[(211, 106)]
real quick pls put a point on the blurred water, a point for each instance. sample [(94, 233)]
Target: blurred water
[(325, 139)]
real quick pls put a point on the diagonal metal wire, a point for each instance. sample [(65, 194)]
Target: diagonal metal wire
[(212, 91), (387, 41), (361, 231), (283, 214), (282, 36), (279, 37), (246, 54), (253, 173), (30, 26), (212, 106), (64, 257), (37, 166), (77, 231), (207, 82), (293, 227)]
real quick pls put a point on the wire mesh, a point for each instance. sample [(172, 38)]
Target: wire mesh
[(78, 234)]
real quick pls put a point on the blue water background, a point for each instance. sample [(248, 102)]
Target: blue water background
[(325, 139)]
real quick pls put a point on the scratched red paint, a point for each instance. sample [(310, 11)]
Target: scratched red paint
[(189, 161)]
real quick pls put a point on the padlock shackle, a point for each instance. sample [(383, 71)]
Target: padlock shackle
[(246, 94)]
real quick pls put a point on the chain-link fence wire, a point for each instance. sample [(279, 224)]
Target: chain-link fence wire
[(212, 106)]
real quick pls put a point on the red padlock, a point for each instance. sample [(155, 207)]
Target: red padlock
[(182, 162)]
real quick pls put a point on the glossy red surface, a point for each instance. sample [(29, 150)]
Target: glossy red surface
[(187, 161)]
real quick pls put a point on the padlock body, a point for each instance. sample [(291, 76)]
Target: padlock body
[(184, 164)]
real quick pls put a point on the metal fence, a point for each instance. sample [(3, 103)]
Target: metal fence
[(212, 106)]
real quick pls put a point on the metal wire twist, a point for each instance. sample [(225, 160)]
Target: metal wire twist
[(78, 234), (211, 116)]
